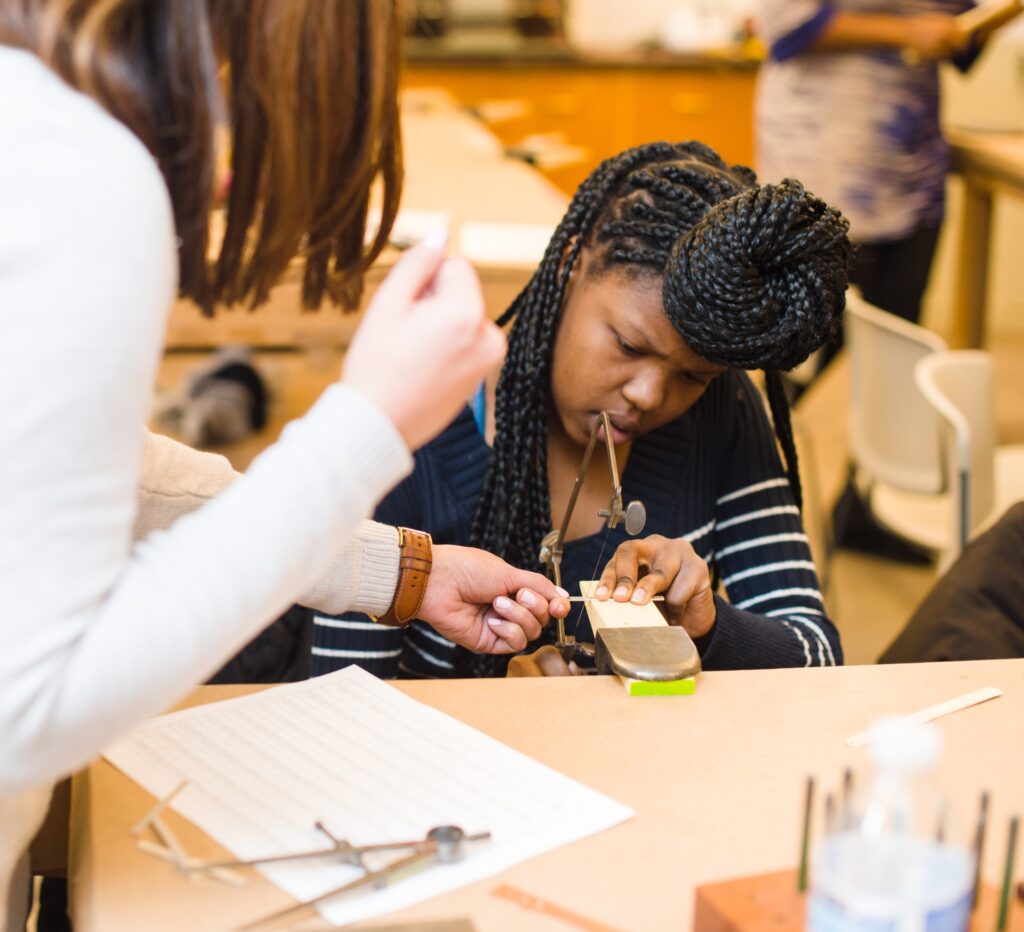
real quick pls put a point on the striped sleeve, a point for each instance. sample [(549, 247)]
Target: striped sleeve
[(774, 616), (353, 639)]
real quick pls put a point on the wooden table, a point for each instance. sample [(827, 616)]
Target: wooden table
[(716, 780), (990, 164), (452, 164)]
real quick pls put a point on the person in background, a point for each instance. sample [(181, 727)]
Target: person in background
[(106, 183), (669, 275), (848, 103)]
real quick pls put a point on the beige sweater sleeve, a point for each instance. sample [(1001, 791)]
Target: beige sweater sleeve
[(177, 479)]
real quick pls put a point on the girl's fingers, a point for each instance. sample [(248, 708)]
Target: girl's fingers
[(549, 660), (620, 574), (522, 666), (544, 662), (691, 579), (651, 583)]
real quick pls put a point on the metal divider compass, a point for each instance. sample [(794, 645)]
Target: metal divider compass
[(443, 844)]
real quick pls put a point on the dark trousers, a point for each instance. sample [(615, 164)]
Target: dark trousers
[(892, 275)]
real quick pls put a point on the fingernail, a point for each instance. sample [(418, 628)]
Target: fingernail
[(602, 592), (502, 604), (436, 239), (561, 592), (638, 596), (620, 591), (493, 622), (527, 597)]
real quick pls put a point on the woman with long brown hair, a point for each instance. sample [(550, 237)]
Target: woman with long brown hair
[(107, 161)]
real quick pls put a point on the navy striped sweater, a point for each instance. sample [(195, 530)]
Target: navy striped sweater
[(713, 476)]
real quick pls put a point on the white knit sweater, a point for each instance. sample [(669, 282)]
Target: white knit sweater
[(98, 632)]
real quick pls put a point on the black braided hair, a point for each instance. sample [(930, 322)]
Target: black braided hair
[(754, 277)]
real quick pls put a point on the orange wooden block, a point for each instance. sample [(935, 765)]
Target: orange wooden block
[(770, 903), (763, 903), (986, 914)]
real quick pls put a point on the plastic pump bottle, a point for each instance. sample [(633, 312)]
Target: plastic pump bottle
[(886, 868)]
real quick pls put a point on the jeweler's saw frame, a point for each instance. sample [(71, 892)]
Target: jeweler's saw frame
[(633, 641)]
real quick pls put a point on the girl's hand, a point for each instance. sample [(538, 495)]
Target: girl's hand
[(642, 568), (547, 661), (424, 344)]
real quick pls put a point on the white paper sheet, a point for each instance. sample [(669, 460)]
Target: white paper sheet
[(374, 766), (512, 244)]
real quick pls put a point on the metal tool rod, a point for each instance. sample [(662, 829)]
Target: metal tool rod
[(805, 837), (340, 852), (342, 849), (375, 878), (845, 813), (591, 598), (581, 476), (979, 846), (612, 464), (1004, 896)]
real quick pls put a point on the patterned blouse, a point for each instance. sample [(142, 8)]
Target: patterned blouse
[(859, 128)]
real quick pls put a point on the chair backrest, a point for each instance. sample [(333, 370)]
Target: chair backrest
[(893, 431), (960, 387)]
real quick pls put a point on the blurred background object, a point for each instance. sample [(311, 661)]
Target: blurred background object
[(221, 403)]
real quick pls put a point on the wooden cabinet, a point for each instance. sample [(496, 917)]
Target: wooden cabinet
[(601, 110)]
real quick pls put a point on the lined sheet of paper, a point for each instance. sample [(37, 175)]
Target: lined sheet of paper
[(374, 766)]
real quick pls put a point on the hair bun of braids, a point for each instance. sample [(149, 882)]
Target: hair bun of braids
[(760, 281)]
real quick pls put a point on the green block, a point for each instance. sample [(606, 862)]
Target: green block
[(685, 687)]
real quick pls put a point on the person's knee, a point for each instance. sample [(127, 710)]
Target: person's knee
[(1014, 517)]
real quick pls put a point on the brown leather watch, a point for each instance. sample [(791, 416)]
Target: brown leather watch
[(413, 572)]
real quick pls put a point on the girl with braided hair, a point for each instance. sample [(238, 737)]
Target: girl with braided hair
[(669, 275)]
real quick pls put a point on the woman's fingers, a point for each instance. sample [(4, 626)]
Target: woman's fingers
[(424, 343), (521, 615), (508, 634), (412, 277)]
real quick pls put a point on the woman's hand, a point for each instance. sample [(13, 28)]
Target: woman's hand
[(424, 344), (642, 568), (480, 602), (935, 36), (547, 661)]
